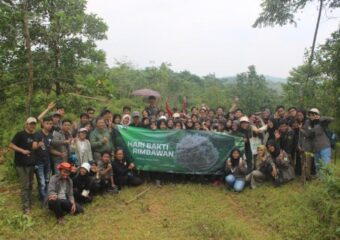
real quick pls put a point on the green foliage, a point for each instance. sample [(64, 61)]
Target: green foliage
[(279, 12), (253, 91)]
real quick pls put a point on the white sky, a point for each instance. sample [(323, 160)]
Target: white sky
[(206, 37)]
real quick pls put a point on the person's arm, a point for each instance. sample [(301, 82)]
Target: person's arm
[(52, 191), (168, 108), (95, 142), (50, 106), (104, 172), (184, 105), (56, 153)]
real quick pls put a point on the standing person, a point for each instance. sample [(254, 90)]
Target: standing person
[(60, 193), (100, 139), (122, 171), (24, 161), (322, 144), (83, 121), (152, 108), (135, 119), (60, 151), (41, 145), (82, 147), (285, 137), (236, 169), (285, 171)]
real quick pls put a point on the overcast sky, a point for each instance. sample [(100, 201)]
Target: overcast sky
[(206, 37)]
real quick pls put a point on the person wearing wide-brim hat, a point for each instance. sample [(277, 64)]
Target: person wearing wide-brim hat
[(82, 184), (60, 193), (322, 144)]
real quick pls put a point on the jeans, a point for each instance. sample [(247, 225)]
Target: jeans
[(26, 181), (237, 184), (43, 172), (322, 157)]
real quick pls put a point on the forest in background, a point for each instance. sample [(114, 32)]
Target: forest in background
[(49, 53)]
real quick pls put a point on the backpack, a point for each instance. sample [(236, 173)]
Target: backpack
[(332, 136)]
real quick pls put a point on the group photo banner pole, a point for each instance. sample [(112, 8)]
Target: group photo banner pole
[(177, 151)]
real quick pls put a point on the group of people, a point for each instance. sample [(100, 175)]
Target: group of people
[(75, 160)]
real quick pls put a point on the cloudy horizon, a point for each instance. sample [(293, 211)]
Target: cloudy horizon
[(206, 37)]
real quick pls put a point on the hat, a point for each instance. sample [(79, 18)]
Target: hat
[(314, 110), (135, 114), (244, 119), (64, 165), (93, 163), (86, 166), (176, 115), (31, 120), (83, 130), (162, 117), (55, 114)]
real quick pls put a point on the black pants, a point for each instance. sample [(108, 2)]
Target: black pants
[(129, 180), (60, 206), (79, 197)]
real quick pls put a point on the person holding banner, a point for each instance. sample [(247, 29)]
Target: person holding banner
[(236, 169)]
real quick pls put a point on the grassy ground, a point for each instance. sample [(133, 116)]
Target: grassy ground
[(174, 211)]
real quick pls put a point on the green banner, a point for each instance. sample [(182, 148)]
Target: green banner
[(177, 151)]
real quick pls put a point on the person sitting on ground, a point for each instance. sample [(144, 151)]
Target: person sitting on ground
[(82, 184), (265, 168), (284, 170), (95, 185), (60, 194), (236, 168), (105, 173), (122, 171)]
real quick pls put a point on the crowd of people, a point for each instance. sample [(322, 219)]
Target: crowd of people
[(75, 160)]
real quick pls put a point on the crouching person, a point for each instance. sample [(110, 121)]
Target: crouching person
[(60, 194), (82, 184), (122, 171), (106, 174), (284, 170), (265, 168), (236, 169)]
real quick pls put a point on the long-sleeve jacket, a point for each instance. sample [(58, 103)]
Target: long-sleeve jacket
[(96, 140), (321, 140), (58, 144), (54, 187), (83, 156)]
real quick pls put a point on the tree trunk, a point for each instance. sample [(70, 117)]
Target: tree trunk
[(27, 37)]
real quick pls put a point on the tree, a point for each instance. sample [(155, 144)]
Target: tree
[(253, 92)]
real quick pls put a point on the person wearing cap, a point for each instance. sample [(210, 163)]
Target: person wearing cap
[(82, 147), (247, 130), (60, 193), (42, 145), (100, 139), (24, 161), (135, 119), (82, 184), (322, 145), (152, 109)]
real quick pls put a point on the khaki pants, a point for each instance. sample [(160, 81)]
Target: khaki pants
[(255, 177), (26, 181)]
